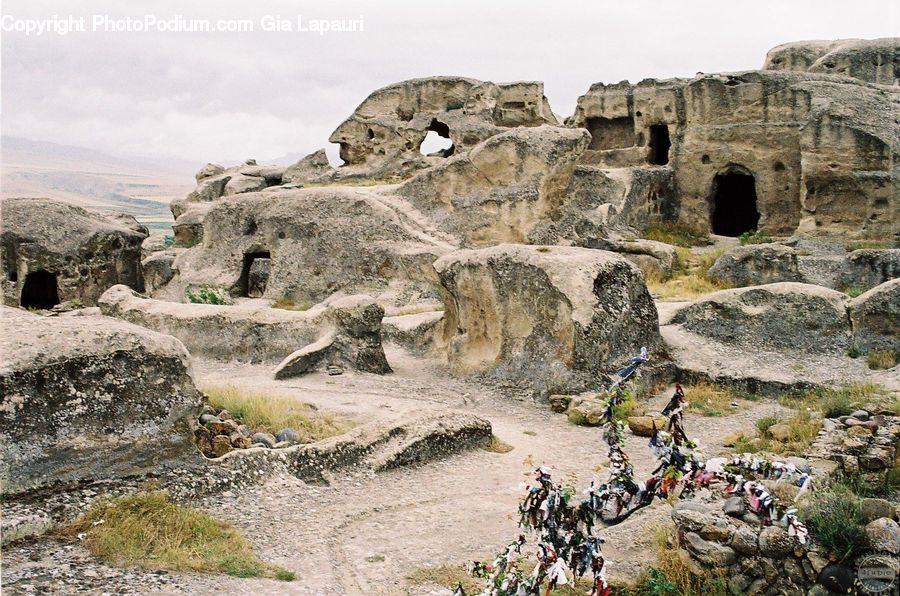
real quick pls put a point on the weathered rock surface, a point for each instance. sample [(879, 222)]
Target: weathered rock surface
[(312, 168), (867, 268), (875, 317), (89, 398), (756, 264), (159, 269), (871, 60), (544, 315), (777, 151), (257, 333), (52, 252), (501, 189), (319, 241), (214, 181), (384, 134), (788, 316)]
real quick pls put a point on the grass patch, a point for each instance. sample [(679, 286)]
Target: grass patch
[(286, 303), (497, 445), (710, 400), (671, 576), (882, 359), (448, 576), (862, 244), (842, 400), (375, 559), (833, 517), (149, 531), (854, 292), (530, 433), (765, 423), (207, 295), (755, 237), (264, 412), (689, 278), (676, 234)]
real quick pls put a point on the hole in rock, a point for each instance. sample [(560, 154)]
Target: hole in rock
[(12, 275), (437, 140), (611, 133), (734, 203), (255, 274), (659, 144), (40, 290)]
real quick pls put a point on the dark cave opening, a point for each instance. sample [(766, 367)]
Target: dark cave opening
[(40, 290), (734, 204), (659, 144), (255, 274)]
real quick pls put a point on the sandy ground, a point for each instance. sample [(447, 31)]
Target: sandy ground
[(364, 532)]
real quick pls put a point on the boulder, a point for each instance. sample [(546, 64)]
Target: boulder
[(872, 509), (837, 578), (501, 189), (875, 317), (287, 434), (312, 168), (775, 543), (267, 440), (745, 540), (866, 268), (883, 535), (755, 265), (784, 316), (649, 255), (214, 182), (642, 426), (734, 506), (384, 134), (158, 270), (870, 60), (258, 333), (709, 553), (543, 316), (90, 398), (52, 252)]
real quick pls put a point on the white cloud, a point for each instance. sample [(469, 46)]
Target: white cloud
[(230, 96)]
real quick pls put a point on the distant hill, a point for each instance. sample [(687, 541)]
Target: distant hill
[(93, 179)]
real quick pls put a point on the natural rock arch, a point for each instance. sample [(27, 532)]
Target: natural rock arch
[(732, 199)]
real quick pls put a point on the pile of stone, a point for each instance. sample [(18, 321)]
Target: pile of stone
[(864, 443), (760, 559), (219, 433)]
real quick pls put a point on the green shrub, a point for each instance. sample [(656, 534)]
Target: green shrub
[(207, 295), (765, 423), (853, 291), (833, 517), (755, 237), (854, 352), (859, 245)]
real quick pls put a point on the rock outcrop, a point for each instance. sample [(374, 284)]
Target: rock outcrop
[(338, 332), (52, 252), (756, 264), (875, 317), (317, 241), (785, 316), (89, 398), (215, 181), (870, 60), (384, 134), (778, 151), (548, 318), (501, 189)]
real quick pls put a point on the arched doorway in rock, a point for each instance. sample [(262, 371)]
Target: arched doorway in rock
[(659, 144), (255, 274), (437, 140), (39, 290), (733, 209)]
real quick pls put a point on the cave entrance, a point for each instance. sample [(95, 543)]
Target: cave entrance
[(437, 142), (611, 133), (39, 290), (734, 203), (659, 144), (255, 274)]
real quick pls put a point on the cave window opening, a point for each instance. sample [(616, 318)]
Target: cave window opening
[(255, 274), (611, 133), (734, 208), (659, 144), (40, 290), (437, 142), (12, 275)]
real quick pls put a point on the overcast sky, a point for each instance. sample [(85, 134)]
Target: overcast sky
[(227, 96)]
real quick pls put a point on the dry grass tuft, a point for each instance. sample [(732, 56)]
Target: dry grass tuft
[(882, 359), (688, 280), (497, 445), (673, 574), (676, 234), (448, 576), (270, 413), (286, 303), (151, 532), (707, 399)]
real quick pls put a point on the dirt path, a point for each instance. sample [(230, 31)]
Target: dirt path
[(364, 533)]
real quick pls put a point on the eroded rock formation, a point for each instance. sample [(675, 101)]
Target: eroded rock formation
[(545, 317), (88, 398), (870, 60), (53, 252)]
